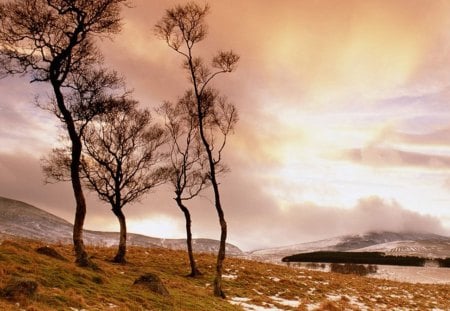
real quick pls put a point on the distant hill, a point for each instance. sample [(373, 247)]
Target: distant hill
[(24, 220), (407, 243)]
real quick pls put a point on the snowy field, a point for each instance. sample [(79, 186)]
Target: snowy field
[(301, 289), (425, 275)]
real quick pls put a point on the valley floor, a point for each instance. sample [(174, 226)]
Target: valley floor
[(425, 275), (249, 285)]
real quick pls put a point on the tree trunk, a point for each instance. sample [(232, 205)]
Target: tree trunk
[(80, 253), (122, 250), (80, 212), (194, 270), (218, 292)]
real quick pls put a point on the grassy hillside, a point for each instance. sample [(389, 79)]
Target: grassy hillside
[(63, 286)]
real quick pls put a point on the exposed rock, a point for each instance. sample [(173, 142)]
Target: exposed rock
[(18, 288), (152, 282), (50, 252)]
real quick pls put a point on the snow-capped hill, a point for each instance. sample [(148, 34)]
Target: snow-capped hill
[(409, 243), (302, 247), (353, 242), (422, 248), (24, 220)]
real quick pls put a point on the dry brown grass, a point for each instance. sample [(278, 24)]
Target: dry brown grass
[(62, 285)]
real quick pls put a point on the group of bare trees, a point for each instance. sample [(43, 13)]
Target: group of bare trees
[(213, 117), (112, 146)]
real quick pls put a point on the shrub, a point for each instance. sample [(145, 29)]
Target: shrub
[(444, 263), (315, 265), (153, 282), (350, 268), (50, 252), (18, 288)]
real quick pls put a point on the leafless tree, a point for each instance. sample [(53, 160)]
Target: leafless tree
[(182, 27), (122, 160), (53, 42), (187, 165)]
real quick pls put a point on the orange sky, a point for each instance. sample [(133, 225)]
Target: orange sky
[(344, 121)]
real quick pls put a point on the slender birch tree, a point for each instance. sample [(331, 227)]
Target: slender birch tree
[(123, 161), (187, 164), (182, 27), (53, 42)]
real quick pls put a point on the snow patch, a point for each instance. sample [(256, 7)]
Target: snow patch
[(354, 301), (243, 302), (257, 291), (240, 299), (312, 306), (285, 302), (332, 297), (230, 276)]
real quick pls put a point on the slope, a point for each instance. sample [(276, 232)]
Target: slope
[(403, 243), (21, 219), (249, 285)]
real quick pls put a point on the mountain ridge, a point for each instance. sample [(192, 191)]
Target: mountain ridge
[(22, 219), (19, 218), (401, 243)]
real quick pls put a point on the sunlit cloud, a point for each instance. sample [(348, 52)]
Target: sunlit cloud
[(391, 157), (159, 226)]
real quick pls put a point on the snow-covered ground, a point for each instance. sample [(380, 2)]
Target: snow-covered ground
[(302, 247), (424, 275), (311, 292), (427, 275), (428, 249)]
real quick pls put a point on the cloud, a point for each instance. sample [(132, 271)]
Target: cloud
[(375, 214), (389, 146), (255, 219), (389, 157), (22, 179), (23, 126), (300, 53), (309, 222), (437, 137), (314, 77)]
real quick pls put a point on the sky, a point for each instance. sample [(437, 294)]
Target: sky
[(344, 121)]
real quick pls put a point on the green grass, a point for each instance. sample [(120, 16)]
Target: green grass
[(62, 285)]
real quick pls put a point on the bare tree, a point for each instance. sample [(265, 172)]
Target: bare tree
[(187, 166), (52, 40), (123, 161), (91, 93), (182, 27)]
